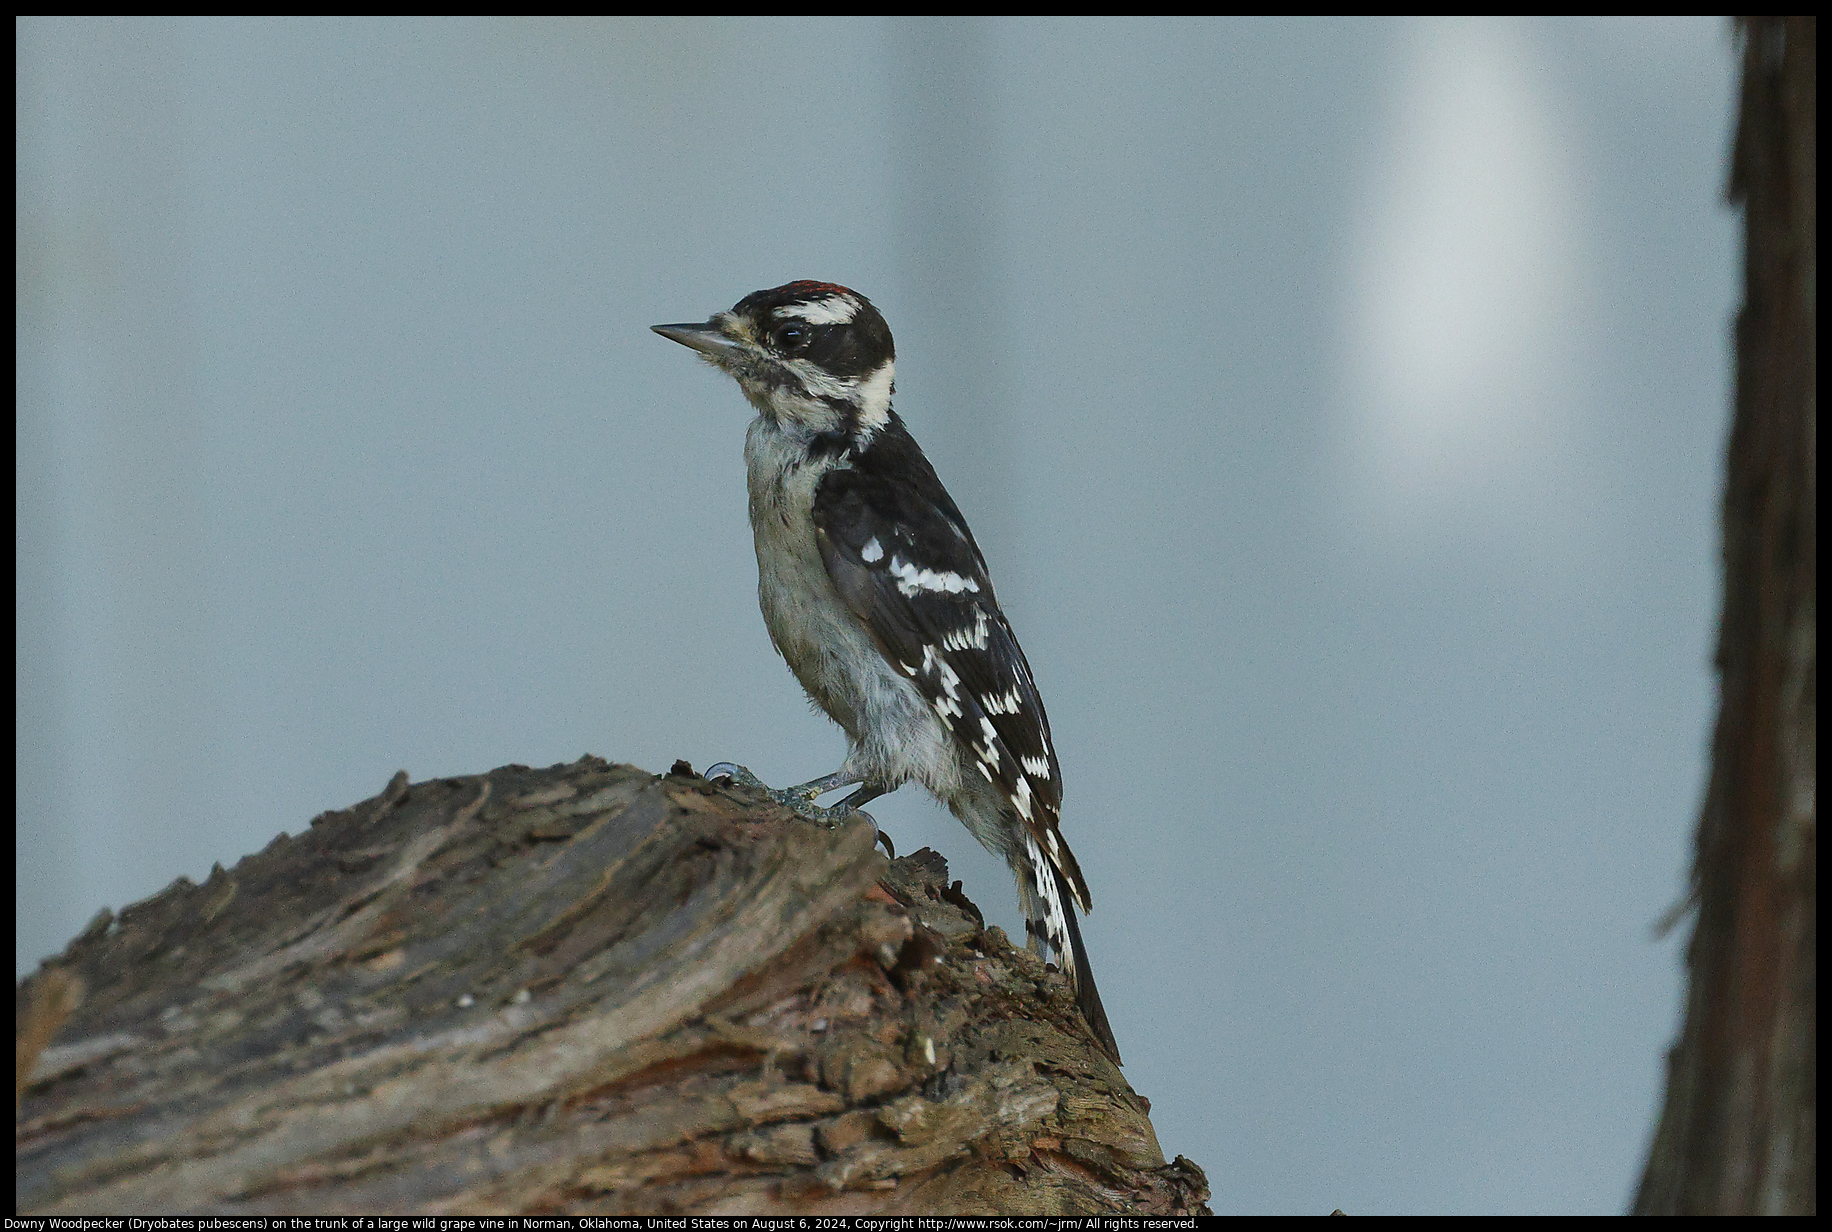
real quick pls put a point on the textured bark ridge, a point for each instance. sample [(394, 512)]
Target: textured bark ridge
[(581, 989)]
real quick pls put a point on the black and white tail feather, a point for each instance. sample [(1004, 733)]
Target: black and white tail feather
[(877, 596)]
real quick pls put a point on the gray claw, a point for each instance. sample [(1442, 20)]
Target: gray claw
[(734, 773)]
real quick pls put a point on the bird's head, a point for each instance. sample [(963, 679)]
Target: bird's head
[(811, 356)]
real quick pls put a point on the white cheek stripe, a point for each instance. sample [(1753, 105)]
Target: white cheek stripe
[(817, 380), (873, 397)]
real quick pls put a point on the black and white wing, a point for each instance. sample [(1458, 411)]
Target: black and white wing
[(901, 556)]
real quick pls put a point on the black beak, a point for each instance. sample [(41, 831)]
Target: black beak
[(704, 336)]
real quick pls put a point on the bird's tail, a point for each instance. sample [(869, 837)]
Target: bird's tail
[(1049, 918), (1086, 995)]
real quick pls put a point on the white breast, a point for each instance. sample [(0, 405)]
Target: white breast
[(894, 732)]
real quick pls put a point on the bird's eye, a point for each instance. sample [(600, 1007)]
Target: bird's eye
[(792, 337)]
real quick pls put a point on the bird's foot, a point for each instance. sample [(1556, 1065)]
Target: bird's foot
[(798, 799)]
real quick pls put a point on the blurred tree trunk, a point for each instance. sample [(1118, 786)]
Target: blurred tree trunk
[(1738, 1134)]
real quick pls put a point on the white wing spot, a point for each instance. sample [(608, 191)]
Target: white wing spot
[(987, 752), (1036, 767), (910, 579), (1021, 797), (1002, 703), (872, 552), (950, 683), (962, 639)]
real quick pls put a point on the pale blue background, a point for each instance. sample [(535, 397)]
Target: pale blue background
[(1339, 405)]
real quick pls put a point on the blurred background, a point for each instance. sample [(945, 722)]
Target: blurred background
[(1339, 405)]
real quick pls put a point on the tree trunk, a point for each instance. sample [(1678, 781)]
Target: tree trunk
[(578, 990), (1738, 1133)]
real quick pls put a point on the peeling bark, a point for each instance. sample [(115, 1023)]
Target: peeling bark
[(578, 990)]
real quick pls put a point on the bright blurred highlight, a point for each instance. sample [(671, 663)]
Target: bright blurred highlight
[(1465, 286)]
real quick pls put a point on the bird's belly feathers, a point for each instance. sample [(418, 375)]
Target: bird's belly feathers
[(895, 733)]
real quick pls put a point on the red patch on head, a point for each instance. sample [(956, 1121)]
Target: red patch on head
[(807, 287)]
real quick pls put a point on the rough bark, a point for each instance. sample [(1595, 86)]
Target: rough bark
[(574, 990), (1738, 1131)]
